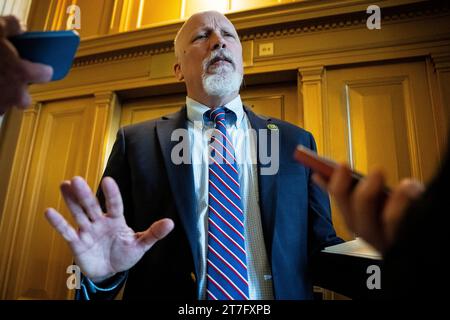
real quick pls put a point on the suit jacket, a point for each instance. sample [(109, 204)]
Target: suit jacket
[(295, 213)]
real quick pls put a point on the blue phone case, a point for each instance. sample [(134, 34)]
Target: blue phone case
[(54, 48)]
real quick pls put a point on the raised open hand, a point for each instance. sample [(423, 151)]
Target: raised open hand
[(104, 244)]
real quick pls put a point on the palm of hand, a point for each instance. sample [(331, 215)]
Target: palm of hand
[(109, 246), (104, 243)]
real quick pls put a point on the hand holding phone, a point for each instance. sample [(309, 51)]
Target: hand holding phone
[(323, 166), (54, 48), (372, 211), (16, 73)]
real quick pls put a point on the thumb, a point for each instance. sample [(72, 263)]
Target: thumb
[(401, 197), (157, 231), (36, 72)]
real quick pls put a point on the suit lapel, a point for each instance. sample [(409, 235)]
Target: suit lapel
[(267, 184), (181, 178)]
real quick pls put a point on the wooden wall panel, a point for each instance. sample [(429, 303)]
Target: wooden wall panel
[(382, 116), (138, 110), (156, 11), (68, 140), (278, 101), (59, 146), (377, 119), (95, 17)]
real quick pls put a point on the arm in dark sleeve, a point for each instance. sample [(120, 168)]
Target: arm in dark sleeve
[(321, 230), (118, 169), (105, 290)]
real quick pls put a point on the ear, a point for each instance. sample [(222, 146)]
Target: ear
[(177, 71)]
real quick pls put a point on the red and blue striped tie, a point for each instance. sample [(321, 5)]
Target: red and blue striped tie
[(227, 277)]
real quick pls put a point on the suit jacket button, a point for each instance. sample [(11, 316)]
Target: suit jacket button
[(193, 277)]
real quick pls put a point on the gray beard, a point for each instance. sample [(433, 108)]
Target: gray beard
[(222, 83)]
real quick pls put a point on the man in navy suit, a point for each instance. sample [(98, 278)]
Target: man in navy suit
[(146, 187)]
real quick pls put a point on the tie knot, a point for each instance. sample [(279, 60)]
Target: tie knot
[(217, 115)]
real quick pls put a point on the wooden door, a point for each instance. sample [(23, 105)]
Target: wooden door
[(381, 115), (67, 140)]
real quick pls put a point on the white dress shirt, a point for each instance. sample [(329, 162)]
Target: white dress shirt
[(259, 272)]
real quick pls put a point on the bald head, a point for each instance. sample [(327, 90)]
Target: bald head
[(212, 16), (209, 58)]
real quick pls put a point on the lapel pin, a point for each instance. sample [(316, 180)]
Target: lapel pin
[(272, 126)]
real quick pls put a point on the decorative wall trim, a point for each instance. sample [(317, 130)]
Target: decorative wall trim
[(441, 60), (273, 31), (346, 21), (122, 55)]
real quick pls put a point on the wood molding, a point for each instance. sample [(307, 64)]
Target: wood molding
[(245, 20), (116, 69), (438, 103), (107, 121), (438, 66), (15, 194), (159, 39), (313, 103), (441, 60)]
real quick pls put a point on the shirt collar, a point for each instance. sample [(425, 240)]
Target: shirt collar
[(196, 110)]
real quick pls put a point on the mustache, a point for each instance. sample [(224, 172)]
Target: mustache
[(219, 55)]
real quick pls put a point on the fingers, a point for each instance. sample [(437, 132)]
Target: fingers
[(360, 205), (15, 94), (73, 205), (9, 26), (401, 197), (368, 192), (340, 187), (83, 203), (319, 180), (367, 207), (86, 198), (61, 225), (17, 73), (23, 99), (157, 231), (113, 198), (36, 72)]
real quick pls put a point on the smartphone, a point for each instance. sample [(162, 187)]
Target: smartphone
[(323, 166), (53, 48)]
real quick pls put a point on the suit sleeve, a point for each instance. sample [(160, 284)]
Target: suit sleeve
[(106, 290), (118, 169), (321, 230)]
